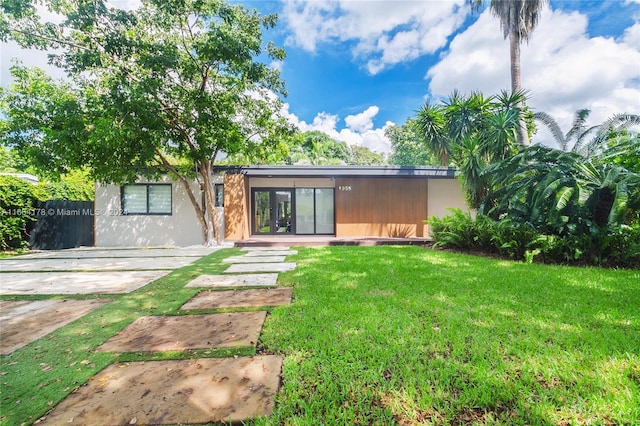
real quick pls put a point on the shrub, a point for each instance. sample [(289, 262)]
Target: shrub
[(503, 238), (17, 198), (614, 246)]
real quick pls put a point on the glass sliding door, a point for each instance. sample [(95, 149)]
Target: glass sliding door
[(315, 211), (283, 204), (262, 212), (325, 222), (305, 211), (272, 211)]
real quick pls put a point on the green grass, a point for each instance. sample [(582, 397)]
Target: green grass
[(393, 335), (404, 335)]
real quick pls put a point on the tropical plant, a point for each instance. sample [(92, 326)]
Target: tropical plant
[(172, 79), (613, 246), (588, 140), (471, 132), (561, 193), (518, 18)]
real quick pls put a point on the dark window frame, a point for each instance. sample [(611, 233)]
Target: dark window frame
[(218, 188), (125, 212), (315, 212)]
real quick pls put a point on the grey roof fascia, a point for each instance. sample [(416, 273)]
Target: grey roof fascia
[(340, 171)]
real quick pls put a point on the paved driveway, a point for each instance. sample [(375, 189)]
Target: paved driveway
[(91, 270), (85, 271)]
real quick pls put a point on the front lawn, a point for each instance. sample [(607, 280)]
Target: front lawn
[(383, 335)]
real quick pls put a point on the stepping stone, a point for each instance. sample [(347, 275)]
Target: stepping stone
[(242, 280), (194, 391), (76, 282), (271, 253), (275, 248), (254, 259), (94, 264), (239, 299), (260, 267), (23, 322), (179, 333)]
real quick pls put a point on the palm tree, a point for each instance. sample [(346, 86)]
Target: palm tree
[(578, 140), (471, 132), (518, 18)]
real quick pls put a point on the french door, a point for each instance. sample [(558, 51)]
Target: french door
[(272, 211)]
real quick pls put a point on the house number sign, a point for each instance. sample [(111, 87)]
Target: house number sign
[(345, 188)]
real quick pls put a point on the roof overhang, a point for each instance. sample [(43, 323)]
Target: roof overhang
[(437, 172)]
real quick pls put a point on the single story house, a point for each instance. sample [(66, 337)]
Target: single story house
[(340, 201)]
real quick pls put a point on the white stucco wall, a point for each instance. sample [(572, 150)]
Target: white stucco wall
[(181, 228), (444, 194)]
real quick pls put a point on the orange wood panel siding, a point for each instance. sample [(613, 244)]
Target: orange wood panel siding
[(236, 207), (381, 207)]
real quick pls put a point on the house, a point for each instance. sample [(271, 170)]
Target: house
[(340, 201), (343, 201), (148, 214)]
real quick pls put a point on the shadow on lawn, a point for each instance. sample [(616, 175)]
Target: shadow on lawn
[(459, 339)]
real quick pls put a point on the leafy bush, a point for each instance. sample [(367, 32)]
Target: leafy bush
[(17, 198), (614, 246), (483, 234)]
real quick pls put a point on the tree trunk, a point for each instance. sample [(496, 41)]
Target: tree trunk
[(514, 50), (208, 222), (212, 231)]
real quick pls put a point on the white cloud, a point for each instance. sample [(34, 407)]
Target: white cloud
[(381, 34), (359, 128), (562, 67), (362, 122)]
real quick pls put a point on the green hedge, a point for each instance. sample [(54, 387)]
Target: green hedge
[(17, 200), (611, 247)]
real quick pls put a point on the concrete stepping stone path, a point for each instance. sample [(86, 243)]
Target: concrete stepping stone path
[(260, 267), (239, 299), (76, 282), (22, 322), (241, 280), (275, 248), (191, 391), (18, 264), (254, 259), (179, 333), (258, 253)]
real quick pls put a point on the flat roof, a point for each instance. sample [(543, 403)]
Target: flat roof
[(340, 171)]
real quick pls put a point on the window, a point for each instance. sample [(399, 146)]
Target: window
[(315, 211), (219, 191), (146, 199)]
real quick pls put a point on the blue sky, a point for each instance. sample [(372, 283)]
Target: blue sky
[(354, 67)]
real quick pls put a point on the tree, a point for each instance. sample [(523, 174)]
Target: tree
[(363, 156), (518, 18), (471, 132), (165, 88), (408, 145), (589, 140)]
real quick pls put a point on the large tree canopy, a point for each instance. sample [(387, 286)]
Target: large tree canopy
[(172, 83)]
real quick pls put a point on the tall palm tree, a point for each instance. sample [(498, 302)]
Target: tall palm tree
[(518, 18)]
